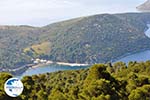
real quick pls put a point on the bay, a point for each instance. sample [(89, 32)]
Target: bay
[(141, 56), (50, 68)]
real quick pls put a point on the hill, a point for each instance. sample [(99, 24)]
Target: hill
[(99, 82), (12, 41), (144, 7), (91, 39), (99, 38)]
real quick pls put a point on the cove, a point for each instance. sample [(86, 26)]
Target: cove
[(140, 56)]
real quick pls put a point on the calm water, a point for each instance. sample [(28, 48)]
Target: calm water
[(142, 56), (50, 68)]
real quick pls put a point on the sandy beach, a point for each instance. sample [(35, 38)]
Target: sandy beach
[(59, 63), (71, 64)]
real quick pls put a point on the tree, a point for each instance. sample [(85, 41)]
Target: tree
[(141, 93)]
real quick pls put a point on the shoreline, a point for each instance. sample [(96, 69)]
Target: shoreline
[(71, 64), (20, 70), (33, 66), (128, 54), (58, 63), (39, 65)]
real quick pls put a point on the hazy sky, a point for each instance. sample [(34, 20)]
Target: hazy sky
[(43, 12)]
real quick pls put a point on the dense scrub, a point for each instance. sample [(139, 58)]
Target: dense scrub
[(93, 39), (99, 82)]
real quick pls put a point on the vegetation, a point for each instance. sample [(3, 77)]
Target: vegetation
[(99, 82), (92, 39), (39, 49)]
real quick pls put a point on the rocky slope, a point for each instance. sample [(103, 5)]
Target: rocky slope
[(144, 7)]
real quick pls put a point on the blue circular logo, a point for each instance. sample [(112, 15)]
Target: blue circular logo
[(13, 87)]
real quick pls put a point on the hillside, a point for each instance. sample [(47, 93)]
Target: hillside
[(99, 82), (99, 38), (12, 41), (91, 39), (144, 7)]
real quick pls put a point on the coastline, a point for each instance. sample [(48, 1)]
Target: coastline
[(33, 66), (58, 63), (128, 54), (79, 64), (38, 65), (22, 69), (71, 64)]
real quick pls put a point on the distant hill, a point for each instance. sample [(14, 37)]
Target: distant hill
[(145, 6), (91, 39)]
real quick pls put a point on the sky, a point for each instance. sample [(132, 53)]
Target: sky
[(44, 12)]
